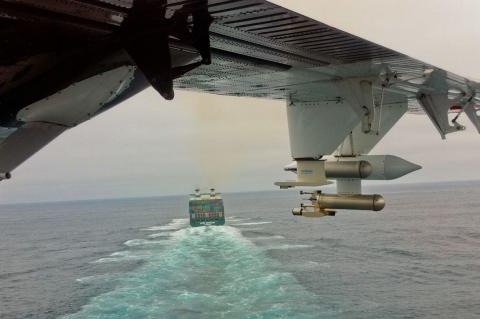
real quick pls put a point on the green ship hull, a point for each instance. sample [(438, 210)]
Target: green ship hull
[(206, 209)]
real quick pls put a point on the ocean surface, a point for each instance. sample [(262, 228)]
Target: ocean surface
[(138, 258)]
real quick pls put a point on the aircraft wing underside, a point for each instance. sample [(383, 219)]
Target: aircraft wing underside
[(279, 54), (64, 61)]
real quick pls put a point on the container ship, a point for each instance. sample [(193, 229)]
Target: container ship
[(206, 209)]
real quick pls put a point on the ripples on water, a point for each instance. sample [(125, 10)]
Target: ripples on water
[(137, 259)]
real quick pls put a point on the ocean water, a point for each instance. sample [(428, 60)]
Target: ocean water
[(138, 258)]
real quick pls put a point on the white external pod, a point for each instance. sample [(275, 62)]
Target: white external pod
[(388, 167), (348, 169)]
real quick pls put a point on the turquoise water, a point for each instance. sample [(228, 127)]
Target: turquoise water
[(139, 258), (204, 272)]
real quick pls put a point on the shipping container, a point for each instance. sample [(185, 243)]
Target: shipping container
[(206, 209)]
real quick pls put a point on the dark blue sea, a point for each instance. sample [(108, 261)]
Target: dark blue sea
[(138, 258)]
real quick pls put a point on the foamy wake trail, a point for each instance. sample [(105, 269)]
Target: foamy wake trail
[(273, 237), (157, 235), (86, 280), (205, 272), (119, 257), (235, 219), (175, 224), (95, 278), (143, 242), (251, 223)]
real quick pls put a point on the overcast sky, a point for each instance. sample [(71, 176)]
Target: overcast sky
[(148, 146)]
